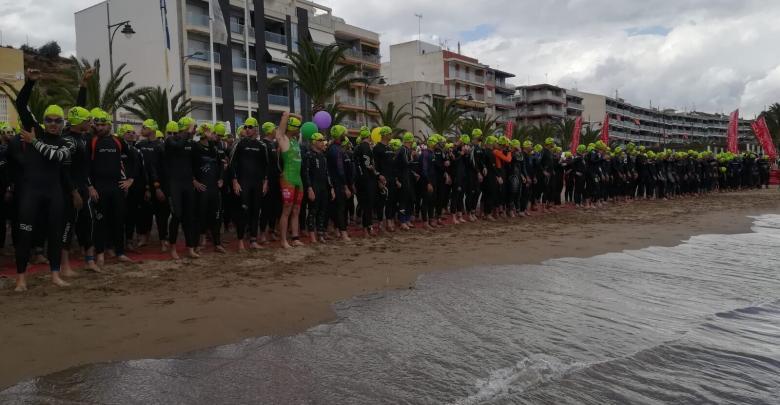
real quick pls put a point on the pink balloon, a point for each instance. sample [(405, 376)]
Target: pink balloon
[(322, 119)]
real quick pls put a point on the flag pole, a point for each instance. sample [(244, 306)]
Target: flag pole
[(246, 51), (166, 47), (211, 64)]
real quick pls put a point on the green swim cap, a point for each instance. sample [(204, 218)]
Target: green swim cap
[(476, 133), (294, 124), (150, 124), (78, 115), (220, 129), (408, 137), (185, 122), (538, 148), (395, 144), (202, 128), (123, 129), (268, 127), (364, 132), (384, 131), (337, 131), (515, 143), (251, 122), (172, 127), (317, 136), (159, 134), (465, 139), (54, 111), (582, 149), (528, 144), (549, 141), (557, 149)]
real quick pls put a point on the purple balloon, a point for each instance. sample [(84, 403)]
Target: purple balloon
[(323, 119)]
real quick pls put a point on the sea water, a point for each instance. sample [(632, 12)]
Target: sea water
[(694, 323)]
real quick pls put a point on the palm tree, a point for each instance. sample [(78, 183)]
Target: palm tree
[(542, 131), (318, 72), (153, 103), (590, 135), (484, 123), (116, 95), (522, 132), (39, 100), (441, 116), (772, 116), (565, 131), (390, 116)]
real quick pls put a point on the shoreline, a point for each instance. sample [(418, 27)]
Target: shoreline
[(163, 308)]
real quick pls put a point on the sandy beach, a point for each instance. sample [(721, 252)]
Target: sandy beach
[(162, 308)]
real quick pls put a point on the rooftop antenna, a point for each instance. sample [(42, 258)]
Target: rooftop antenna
[(419, 32), (458, 47)]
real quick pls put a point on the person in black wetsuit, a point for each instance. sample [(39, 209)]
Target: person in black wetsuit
[(154, 205), (110, 178), (458, 156), (404, 181), (207, 168), (579, 176), (248, 166), (132, 157), (366, 182), (337, 168), (272, 201), (475, 174), (181, 190), (40, 154), (319, 190), (427, 183), (386, 193)]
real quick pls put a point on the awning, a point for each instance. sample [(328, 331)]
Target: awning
[(273, 55), (322, 38)]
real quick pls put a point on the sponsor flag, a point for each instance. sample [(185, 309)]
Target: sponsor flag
[(605, 129), (575, 135), (731, 135)]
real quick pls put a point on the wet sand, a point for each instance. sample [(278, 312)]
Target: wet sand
[(159, 309)]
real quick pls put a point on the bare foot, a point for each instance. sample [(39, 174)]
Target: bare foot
[(296, 242), (219, 249), (92, 266), (39, 259), (68, 272), (192, 254), (254, 246), (21, 283), (101, 260), (143, 240), (286, 245), (241, 247), (174, 254), (125, 259), (345, 237), (58, 281), (165, 246)]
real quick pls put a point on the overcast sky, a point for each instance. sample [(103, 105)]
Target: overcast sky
[(711, 55)]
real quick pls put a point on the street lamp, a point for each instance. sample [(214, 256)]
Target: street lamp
[(185, 58), (112, 30), (369, 81)]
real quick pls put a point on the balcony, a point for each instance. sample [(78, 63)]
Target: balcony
[(276, 38), (278, 100), (204, 56), (237, 28), (356, 54), (575, 106), (351, 124), (277, 70), (204, 90), (347, 100), (240, 63), (240, 95), (460, 75), (198, 19)]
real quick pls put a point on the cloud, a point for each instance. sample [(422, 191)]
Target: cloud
[(40, 21)]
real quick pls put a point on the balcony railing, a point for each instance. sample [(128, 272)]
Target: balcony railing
[(204, 56), (239, 29), (278, 70), (276, 38), (278, 100), (198, 19), (351, 124), (240, 63), (239, 95), (354, 53), (204, 90)]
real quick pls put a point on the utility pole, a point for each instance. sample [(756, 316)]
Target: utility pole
[(419, 32)]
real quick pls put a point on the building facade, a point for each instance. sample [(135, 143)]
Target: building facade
[(475, 87), (545, 103), (252, 74), (11, 72), (654, 126)]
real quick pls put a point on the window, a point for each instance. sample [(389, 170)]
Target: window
[(3, 108)]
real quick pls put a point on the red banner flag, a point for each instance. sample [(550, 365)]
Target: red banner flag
[(509, 129), (770, 144), (575, 134), (731, 135), (605, 130)]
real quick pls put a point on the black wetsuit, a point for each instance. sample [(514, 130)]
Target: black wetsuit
[(404, 176), (385, 206), (79, 222), (135, 195), (366, 182), (181, 192), (248, 165), (272, 201), (337, 169), (317, 178), (42, 183), (207, 167), (153, 152)]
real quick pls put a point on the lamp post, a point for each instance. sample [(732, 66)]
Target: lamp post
[(112, 30), (369, 81)]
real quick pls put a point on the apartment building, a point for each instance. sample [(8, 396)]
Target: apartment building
[(11, 72), (655, 126), (476, 88), (251, 74), (545, 103)]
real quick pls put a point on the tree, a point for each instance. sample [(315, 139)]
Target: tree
[(390, 116), (115, 95), (542, 131), (484, 123), (590, 135), (565, 131), (50, 50), (441, 116), (318, 72), (28, 49), (39, 100), (772, 116), (522, 132), (153, 103)]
